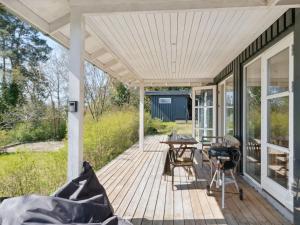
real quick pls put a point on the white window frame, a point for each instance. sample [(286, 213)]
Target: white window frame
[(283, 195), (224, 102), (195, 127)]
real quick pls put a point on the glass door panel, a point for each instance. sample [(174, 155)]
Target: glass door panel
[(204, 111), (278, 118), (252, 109), (229, 123)]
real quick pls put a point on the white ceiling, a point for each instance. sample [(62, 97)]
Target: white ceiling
[(169, 47)]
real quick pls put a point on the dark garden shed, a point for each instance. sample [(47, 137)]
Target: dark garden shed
[(170, 105)]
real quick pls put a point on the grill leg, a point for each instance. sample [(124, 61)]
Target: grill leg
[(223, 188), (213, 179), (234, 180)]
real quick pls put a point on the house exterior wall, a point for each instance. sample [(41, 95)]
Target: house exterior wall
[(296, 115), (176, 110), (287, 23), (283, 26)]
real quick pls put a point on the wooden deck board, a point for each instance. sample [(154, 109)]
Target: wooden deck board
[(139, 192)]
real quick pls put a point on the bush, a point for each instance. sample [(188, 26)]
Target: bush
[(110, 136), (39, 131), (5, 138)]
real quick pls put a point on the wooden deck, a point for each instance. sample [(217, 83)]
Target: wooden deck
[(138, 192)]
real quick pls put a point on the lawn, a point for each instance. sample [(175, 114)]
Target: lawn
[(27, 172)]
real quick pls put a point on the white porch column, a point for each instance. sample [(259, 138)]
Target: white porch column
[(76, 93), (141, 131)]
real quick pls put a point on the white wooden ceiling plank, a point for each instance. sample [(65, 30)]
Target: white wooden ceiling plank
[(173, 40), (155, 41), (186, 32), (160, 35), (126, 38), (181, 30), (134, 36), (146, 47), (192, 39), (148, 36), (228, 52), (112, 34), (186, 40), (249, 19), (222, 29), (167, 35), (210, 21), (232, 27), (201, 33), (93, 25), (212, 39)]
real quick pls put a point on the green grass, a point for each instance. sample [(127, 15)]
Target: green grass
[(27, 172), (167, 127), (32, 172)]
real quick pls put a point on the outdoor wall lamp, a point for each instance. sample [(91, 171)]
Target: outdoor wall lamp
[(73, 106)]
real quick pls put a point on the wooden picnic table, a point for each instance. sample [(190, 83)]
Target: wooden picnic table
[(179, 143)]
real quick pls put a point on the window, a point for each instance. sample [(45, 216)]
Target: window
[(228, 97), (253, 119), (164, 100), (278, 117)]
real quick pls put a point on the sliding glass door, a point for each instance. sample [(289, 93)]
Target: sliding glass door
[(268, 121), (226, 107), (252, 113), (204, 111)]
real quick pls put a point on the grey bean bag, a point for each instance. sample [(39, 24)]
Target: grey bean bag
[(81, 201)]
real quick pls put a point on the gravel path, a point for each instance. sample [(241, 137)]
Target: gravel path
[(47, 146)]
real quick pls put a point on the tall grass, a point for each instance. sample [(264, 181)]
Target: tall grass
[(42, 172), (110, 136)]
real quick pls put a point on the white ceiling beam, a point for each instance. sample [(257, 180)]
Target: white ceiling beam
[(187, 80), (98, 53), (110, 63), (120, 70), (59, 23), (108, 6), (290, 3), (18, 8)]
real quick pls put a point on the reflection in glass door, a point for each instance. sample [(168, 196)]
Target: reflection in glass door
[(226, 107), (204, 111), (268, 121), (278, 124), (252, 122)]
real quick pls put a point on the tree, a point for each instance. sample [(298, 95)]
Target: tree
[(22, 50), (121, 94), (97, 86)]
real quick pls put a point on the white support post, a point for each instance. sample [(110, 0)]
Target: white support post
[(76, 93), (141, 131)]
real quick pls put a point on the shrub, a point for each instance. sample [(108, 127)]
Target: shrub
[(110, 136), (39, 131), (5, 138)]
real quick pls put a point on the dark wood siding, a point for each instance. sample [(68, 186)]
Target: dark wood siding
[(177, 110), (297, 116)]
